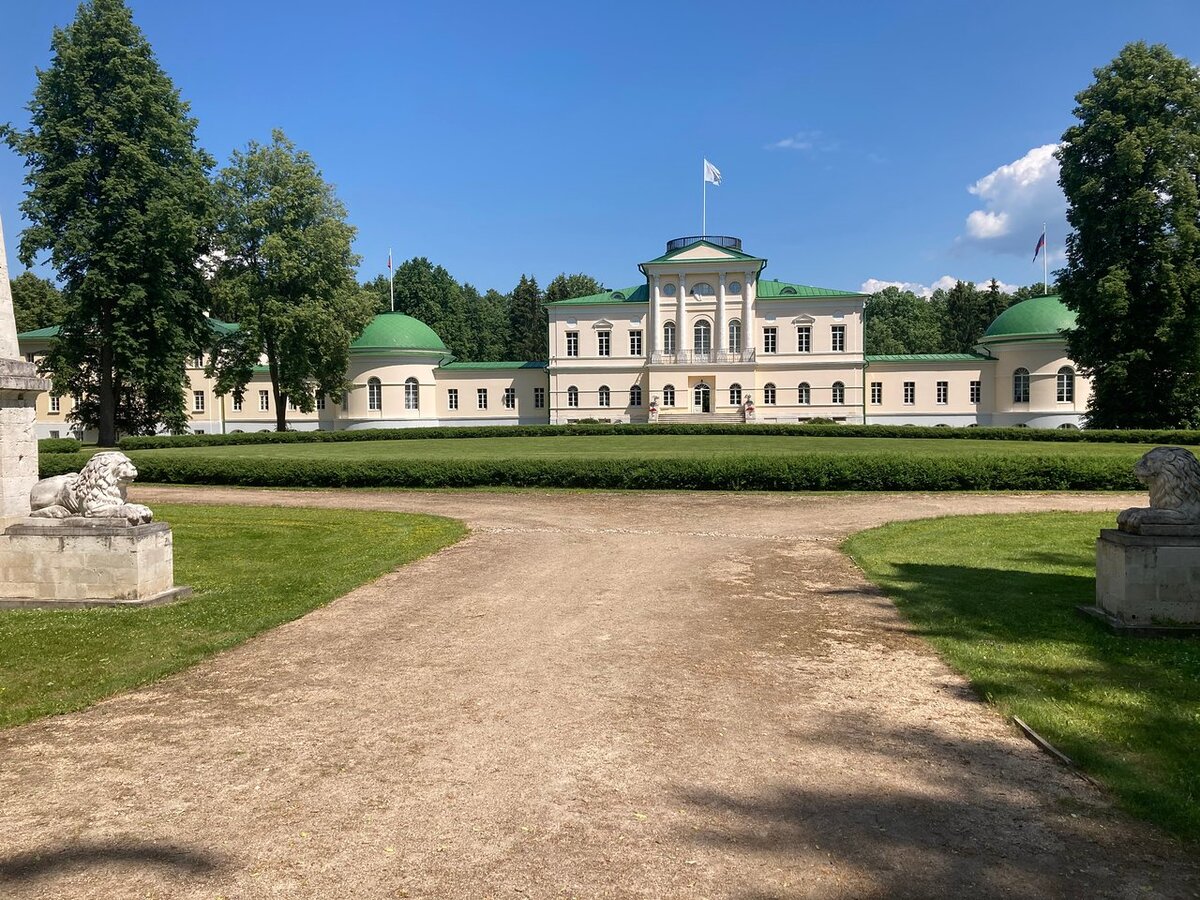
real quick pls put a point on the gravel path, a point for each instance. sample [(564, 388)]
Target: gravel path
[(593, 695)]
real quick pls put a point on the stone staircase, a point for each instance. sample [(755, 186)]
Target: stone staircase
[(690, 418)]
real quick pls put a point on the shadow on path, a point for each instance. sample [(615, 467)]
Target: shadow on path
[(75, 858)]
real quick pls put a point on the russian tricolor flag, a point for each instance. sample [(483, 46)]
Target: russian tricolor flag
[(1041, 245)]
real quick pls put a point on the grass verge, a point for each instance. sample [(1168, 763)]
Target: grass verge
[(996, 595), (252, 568)]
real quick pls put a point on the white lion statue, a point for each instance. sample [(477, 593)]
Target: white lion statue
[(1173, 476), (98, 491)]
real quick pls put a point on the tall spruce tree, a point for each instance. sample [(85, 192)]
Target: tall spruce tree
[(288, 273), (527, 323), (1130, 169), (119, 196)]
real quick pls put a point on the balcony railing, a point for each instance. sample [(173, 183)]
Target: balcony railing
[(720, 240), (700, 357)]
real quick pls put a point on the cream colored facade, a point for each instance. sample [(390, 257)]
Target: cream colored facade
[(703, 337)]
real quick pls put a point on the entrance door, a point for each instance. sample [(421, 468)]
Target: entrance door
[(701, 398)]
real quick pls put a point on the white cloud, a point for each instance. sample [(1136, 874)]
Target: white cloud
[(803, 140), (873, 285), (1016, 199)]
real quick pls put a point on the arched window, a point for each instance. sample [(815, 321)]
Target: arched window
[(1066, 385), (572, 396), (412, 394), (735, 394), (1021, 386), (669, 337), (604, 397), (768, 394), (374, 394), (702, 336), (669, 395), (735, 336), (839, 392), (805, 397), (702, 289), (635, 395)]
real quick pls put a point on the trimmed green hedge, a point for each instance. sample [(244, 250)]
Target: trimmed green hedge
[(887, 431), (817, 471), (59, 445)]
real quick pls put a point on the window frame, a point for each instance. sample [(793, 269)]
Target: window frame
[(839, 393), (702, 327), (804, 394), (635, 395), (573, 397), (976, 392), (668, 395), (734, 336), (910, 393), (942, 393), (604, 342), (1020, 385), (804, 339), (876, 393), (635, 342), (604, 396), (539, 398), (264, 401), (374, 395), (770, 339), (573, 343), (1064, 381), (452, 398), (769, 394), (735, 394), (670, 338), (412, 393), (509, 399), (481, 398), (837, 338)]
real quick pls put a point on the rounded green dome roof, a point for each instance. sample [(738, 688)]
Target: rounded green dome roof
[(396, 332), (1037, 317)]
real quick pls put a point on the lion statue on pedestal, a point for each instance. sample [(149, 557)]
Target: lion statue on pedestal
[(1173, 476), (96, 492)]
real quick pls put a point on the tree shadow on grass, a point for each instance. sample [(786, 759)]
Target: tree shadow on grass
[(933, 814), (65, 859)]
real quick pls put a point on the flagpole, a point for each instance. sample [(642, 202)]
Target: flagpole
[(1045, 262), (391, 280), (703, 200)]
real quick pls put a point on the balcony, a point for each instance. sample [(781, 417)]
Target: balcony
[(699, 357), (720, 240)]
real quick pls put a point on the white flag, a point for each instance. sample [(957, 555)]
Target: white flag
[(711, 173)]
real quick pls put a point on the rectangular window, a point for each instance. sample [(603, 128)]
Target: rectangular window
[(910, 393), (769, 395), (539, 398), (510, 398), (572, 343), (481, 398), (838, 334), (198, 362), (55, 434), (264, 401), (943, 392), (635, 343), (770, 340), (976, 391), (237, 403), (804, 339), (291, 405), (197, 401), (320, 401), (876, 392), (55, 403), (452, 398), (29, 357), (604, 343)]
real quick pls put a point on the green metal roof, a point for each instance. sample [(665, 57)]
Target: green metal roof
[(494, 365), (784, 290), (39, 334), (929, 358), (637, 294), (45, 334), (396, 332), (725, 253), (1037, 317)]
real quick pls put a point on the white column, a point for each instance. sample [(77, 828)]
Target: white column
[(653, 320), (681, 319), (749, 288), (722, 335)]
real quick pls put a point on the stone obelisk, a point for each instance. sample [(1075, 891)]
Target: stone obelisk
[(19, 388)]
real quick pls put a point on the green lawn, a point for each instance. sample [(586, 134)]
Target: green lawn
[(252, 569), (997, 594), (649, 447)]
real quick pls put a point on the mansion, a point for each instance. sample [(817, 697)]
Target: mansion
[(703, 337)]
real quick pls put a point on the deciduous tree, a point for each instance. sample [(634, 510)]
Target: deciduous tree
[(288, 271), (36, 302), (1130, 168), (119, 197)]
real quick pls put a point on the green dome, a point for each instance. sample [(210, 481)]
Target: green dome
[(396, 332), (1037, 317)]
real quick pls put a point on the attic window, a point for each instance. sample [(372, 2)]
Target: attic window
[(787, 290), (702, 289), (617, 295)]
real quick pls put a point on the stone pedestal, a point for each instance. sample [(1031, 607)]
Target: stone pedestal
[(19, 388), (1148, 583), (66, 563)]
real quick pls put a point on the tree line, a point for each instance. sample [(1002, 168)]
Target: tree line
[(950, 320)]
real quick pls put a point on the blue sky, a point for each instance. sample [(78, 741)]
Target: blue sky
[(858, 141)]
